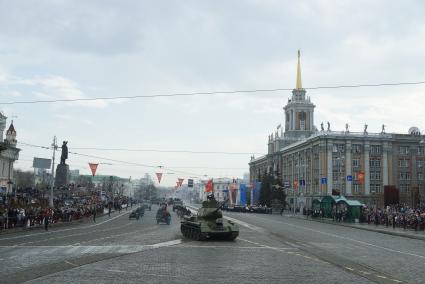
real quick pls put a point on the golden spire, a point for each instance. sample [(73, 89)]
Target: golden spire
[(299, 85)]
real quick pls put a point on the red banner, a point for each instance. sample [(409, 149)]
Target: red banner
[(93, 168), (360, 177), (159, 176), (209, 186), (180, 182), (295, 184)]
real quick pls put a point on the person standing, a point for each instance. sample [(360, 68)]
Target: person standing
[(393, 221), (46, 222), (94, 214)]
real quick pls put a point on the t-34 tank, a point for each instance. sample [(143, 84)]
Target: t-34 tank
[(209, 223)]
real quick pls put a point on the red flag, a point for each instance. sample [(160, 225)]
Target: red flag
[(93, 168), (295, 184), (209, 186), (159, 176)]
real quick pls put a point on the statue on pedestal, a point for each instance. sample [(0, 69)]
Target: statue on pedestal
[(64, 154), (62, 170)]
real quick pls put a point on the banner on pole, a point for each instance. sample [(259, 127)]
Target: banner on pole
[(180, 182), (93, 168), (159, 176)]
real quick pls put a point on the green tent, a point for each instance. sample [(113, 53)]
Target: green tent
[(315, 207), (353, 208), (327, 205)]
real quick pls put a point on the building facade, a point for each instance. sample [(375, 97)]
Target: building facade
[(313, 163), (9, 153)]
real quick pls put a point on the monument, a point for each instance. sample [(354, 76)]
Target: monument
[(62, 170)]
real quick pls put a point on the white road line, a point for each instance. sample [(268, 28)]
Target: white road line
[(346, 238), (118, 271), (231, 247), (71, 263)]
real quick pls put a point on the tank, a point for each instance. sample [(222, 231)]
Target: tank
[(209, 223)]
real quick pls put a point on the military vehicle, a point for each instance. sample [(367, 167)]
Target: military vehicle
[(209, 223)]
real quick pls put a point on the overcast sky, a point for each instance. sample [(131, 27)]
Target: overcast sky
[(84, 49)]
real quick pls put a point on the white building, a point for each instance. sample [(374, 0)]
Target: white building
[(8, 155)]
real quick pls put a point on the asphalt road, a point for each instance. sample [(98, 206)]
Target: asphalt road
[(269, 249)]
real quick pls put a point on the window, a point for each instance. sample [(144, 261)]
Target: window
[(404, 150), (421, 176), (356, 188), (375, 188), (421, 150), (357, 148), (356, 162), (338, 162), (404, 187), (375, 149), (404, 176), (375, 175), (420, 164), (375, 163), (402, 163)]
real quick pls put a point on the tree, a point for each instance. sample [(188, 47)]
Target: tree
[(23, 179), (266, 190), (272, 190)]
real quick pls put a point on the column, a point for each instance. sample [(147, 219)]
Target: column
[(329, 150), (311, 121), (366, 169), (292, 120), (385, 164), (348, 168), (294, 115)]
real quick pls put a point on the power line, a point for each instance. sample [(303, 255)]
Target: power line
[(210, 93), (167, 151), (173, 169)]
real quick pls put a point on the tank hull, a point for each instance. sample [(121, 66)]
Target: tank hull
[(201, 231)]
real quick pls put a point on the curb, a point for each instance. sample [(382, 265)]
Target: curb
[(410, 236)]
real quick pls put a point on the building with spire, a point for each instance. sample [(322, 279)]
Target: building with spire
[(359, 165), (8, 155)]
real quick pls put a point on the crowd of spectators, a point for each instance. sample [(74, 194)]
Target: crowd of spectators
[(30, 209), (401, 216)]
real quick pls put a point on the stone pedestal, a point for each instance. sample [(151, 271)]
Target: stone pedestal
[(62, 175)]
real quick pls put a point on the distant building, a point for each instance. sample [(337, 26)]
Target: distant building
[(357, 165), (9, 153)]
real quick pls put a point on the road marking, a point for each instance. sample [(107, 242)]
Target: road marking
[(349, 268), (395, 280), (118, 271), (381, 276), (234, 247), (166, 244), (346, 238), (70, 263)]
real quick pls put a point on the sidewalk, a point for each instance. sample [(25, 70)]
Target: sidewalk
[(58, 224), (400, 232)]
